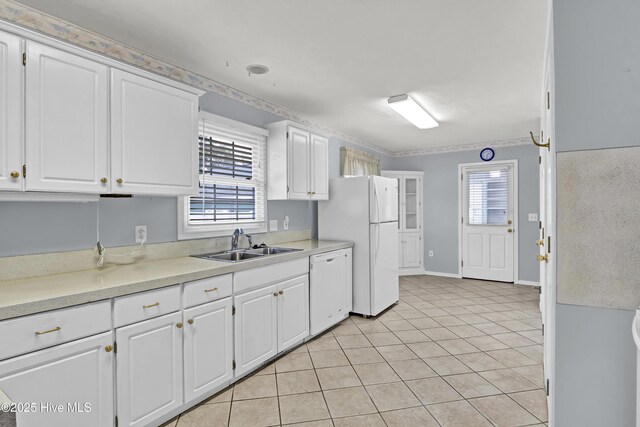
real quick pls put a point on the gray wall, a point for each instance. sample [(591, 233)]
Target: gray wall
[(38, 227), (597, 65), (441, 219)]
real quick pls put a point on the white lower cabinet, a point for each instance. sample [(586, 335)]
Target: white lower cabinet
[(149, 369), (269, 320), (63, 386), (256, 333), (293, 312), (410, 250), (208, 347)]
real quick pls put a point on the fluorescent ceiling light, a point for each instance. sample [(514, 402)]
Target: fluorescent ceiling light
[(412, 111)]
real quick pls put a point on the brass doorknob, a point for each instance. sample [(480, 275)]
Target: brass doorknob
[(179, 325), (108, 348), (119, 180), (103, 180), (541, 258), (509, 230), (15, 174), (190, 321), (275, 294), (281, 292), (509, 222), (539, 242)]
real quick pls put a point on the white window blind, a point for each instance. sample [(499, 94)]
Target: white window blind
[(232, 179), (489, 192)]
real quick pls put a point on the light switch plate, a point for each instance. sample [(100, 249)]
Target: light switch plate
[(533, 217), (273, 225)]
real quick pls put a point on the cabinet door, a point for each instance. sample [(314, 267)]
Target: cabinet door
[(293, 312), (298, 159), (256, 334), (149, 370), (319, 167), (77, 375), (411, 212), (208, 347), (412, 250), (66, 122), (10, 112), (154, 135)]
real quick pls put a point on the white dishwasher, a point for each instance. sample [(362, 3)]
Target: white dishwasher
[(331, 289)]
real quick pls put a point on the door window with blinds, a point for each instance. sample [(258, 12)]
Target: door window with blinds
[(232, 186), (489, 191)]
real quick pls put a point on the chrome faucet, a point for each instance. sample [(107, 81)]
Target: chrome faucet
[(236, 235)]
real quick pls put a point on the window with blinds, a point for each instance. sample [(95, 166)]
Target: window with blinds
[(489, 191), (232, 179)]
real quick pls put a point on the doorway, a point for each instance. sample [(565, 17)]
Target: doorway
[(488, 220)]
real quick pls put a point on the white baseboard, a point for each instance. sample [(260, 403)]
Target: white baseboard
[(527, 283), (437, 273), (411, 271)]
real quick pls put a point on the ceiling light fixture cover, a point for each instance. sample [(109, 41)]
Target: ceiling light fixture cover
[(408, 108), (257, 69)]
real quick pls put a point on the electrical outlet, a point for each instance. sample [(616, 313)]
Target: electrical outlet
[(141, 233), (273, 225), (285, 223), (533, 217), (430, 253)]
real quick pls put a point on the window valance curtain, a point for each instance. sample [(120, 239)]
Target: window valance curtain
[(358, 163)]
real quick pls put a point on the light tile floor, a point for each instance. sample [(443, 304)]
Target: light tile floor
[(450, 353)]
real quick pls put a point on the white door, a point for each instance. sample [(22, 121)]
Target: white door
[(66, 122), (298, 158), (154, 135), (383, 199), (411, 250), (76, 373), (11, 124), (383, 253), (149, 369), (293, 312), (488, 222), (208, 347), (319, 167), (256, 333)]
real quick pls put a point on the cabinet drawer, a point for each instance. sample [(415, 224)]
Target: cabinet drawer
[(205, 290), (145, 305), (29, 333), (249, 279)]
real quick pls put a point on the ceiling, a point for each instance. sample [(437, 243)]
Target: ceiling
[(476, 66)]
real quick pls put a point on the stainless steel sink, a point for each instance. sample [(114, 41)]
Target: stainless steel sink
[(247, 254), (273, 250), (235, 256)]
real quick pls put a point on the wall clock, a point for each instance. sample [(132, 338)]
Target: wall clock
[(487, 154)]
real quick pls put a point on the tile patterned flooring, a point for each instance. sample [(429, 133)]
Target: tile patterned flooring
[(451, 353)]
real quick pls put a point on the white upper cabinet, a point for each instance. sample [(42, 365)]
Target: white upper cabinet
[(297, 163), (67, 122), (10, 112), (154, 133)]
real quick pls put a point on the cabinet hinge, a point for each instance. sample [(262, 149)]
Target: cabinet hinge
[(461, 177), (234, 364), (539, 160), (462, 220), (24, 171), (548, 101), (540, 224), (287, 188), (24, 58), (548, 244), (547, 387), (543, 329), (115, 346), (116, 421), (287, 134), (233, 310), (461, 263)]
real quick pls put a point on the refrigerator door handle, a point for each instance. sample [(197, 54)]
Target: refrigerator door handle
[(375, 194)]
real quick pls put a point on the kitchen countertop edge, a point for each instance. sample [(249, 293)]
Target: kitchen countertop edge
[(34, 295)]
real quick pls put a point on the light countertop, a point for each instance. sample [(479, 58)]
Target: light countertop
[(38, 294)]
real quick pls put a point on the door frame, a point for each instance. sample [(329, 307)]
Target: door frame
[(516, 238)]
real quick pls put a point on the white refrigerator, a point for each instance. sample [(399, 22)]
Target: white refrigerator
[(364, 210)]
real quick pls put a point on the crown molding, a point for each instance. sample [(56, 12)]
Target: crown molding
[(24, 16), (466, 147)]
